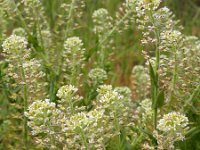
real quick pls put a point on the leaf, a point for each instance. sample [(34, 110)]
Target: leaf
[(193, 98), (152, 75), (160, 100), (153, 84), (192, 132)]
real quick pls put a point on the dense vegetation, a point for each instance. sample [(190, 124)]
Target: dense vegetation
[(99, 74)]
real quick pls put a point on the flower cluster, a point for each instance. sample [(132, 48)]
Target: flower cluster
[(66, 91), (102, 21), (173, 122), (140, 82), (68, 98), (160, 29), (74, 58), (15, 47), (103, 24), (15, 50), (75, 127), (85, 130), (97, 76), (66, 17), (152, 20), (45, 121), (17, 54), (124, 91), (144, 111), (19, 32), (31, 15), (34, 77), (174, 127), (116, 105), (38, 114)]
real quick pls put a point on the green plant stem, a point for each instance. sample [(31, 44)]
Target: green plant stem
[(102, 52), (173, 84), (192, 99), (114, 28), (156, 88), (66, 34), (74, 73), (25, 97), (117, 127), (155, 111), (21, 18), (84, 139), (69, 22)]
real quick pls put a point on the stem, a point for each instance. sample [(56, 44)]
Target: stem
[(157, 65), (156, 88), (69, 19), (114, 28), (84, 139), (25, 97), (117, 127), (21, 18), (155, 113), (173, 84), (102, 52), (71, 104), (74, 73)]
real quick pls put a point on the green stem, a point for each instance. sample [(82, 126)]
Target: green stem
[(156, 88), (117, 127), (157, 65), (25, 97), (114, 28), (74, 73), (102, 50), (84, 140), (69, 22), (173, 84), (21, 18)]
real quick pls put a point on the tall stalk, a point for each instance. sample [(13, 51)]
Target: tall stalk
[(25, 97), (174, 76), (157, 64), (69, 22)]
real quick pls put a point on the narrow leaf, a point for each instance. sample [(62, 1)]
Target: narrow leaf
[(160, 100), (152, 75)]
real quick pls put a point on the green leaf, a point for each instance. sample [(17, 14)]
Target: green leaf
[(153, 75), (193, 98), (192, 132), (153, 84), (160, 100)]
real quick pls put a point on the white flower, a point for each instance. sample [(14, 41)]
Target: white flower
[(14, 44), (66, 91), (173, 121)]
